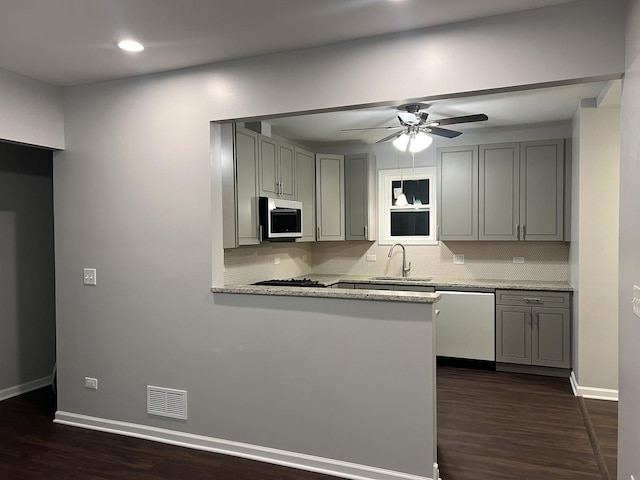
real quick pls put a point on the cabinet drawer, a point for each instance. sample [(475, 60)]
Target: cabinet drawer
[(533, 298)]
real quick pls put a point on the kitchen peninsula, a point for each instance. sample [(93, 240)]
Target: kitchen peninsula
[(358, 363)]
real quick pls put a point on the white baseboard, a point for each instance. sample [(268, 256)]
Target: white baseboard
[(24, 388), (592, 392), (253, 452)]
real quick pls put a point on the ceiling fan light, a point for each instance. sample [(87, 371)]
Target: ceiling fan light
[(401, 142), (419, 142)]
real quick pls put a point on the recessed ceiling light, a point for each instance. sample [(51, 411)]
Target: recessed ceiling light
[(130, 46)]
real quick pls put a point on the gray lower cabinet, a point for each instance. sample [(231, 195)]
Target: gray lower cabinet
[(533, 328), (396, 287)]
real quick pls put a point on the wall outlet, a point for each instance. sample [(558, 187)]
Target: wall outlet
[(458, 259), (91, 383), (518, 259), (636, 300), (371, 258), (276, 261), (89, 276), (304, 258)]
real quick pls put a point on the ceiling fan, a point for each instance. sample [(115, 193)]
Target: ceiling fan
[(415, 127)]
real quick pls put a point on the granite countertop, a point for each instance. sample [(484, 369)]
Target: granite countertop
[(359, 294), (391, 295)]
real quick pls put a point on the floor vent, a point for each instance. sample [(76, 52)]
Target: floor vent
[(167, 402)]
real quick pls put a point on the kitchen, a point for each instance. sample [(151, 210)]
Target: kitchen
[(358, 262), (155, 239), (504, 260)]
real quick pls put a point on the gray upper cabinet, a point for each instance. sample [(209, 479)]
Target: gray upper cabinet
[(542, 190), (499, 192), (330, 200), (360, 197), (305, 192), (457, 193), (246, 175), (502, 192), (277, 168)]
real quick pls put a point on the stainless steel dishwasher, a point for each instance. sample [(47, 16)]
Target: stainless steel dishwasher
[(465, 325)]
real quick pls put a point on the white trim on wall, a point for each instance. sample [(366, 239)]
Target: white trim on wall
[(24, 388), (310, 463), (592, 392)]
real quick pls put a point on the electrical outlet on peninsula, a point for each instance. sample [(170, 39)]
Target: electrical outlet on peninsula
[(636, 300), (89, 276)]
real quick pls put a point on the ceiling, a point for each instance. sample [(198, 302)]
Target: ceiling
[(72, 42)]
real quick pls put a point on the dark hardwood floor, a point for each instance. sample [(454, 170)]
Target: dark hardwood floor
[(491, 425), (32, 447), (603, 416), (496, 425)]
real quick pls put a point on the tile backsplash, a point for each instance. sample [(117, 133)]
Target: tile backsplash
[(482, 260)]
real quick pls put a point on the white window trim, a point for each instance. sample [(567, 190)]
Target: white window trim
[(385, 177)]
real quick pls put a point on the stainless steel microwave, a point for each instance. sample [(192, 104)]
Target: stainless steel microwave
[(280, 220)]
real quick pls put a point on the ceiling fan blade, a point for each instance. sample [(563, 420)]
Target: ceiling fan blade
[(390, 137), (480, 117), (443, 132), (370, 128)]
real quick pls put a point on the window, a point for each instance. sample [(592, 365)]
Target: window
[(412, 223)]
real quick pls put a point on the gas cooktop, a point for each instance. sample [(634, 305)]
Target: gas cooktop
[(292, 282)]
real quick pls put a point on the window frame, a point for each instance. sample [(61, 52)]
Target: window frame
[(385, 179)]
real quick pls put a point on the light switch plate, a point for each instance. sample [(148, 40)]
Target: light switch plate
[(636, 300), (458, 259), (276, 261), (89, 276), (371, 258), (518, 259)]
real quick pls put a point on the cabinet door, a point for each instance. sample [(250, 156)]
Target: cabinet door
[(499, 192), (268, 171), (457, 193), (330, 197), (305, 192), (551, 342), (246, 181), (286, 170), (513, 334), (542, 190), (359, 197)]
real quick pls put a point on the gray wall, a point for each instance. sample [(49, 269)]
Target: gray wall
[(31, 111), (137, 196), (629, 326), (27, 297)]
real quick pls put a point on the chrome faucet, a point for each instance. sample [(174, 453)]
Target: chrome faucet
[(405, 268)]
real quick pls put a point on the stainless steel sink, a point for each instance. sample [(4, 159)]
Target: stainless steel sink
[(404, 279)]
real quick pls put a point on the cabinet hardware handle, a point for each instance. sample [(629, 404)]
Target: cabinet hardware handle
[(532, 300), (318, 237), (524, 231), (366, 229), (437, 233), (259, 233), (517, 231)]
